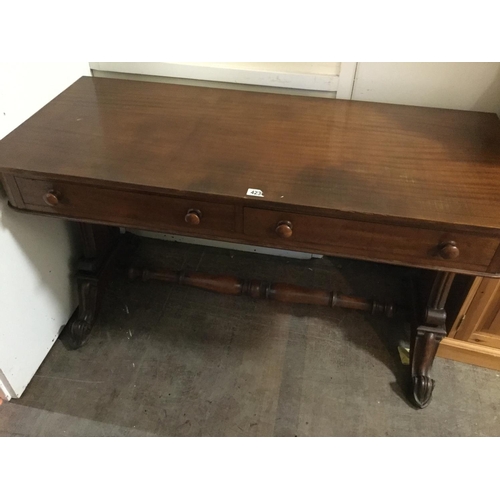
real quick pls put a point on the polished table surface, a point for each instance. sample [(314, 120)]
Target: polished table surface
[(398, 184), (398, 162)]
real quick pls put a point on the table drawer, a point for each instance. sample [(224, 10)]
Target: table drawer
[(371, 241), (127, 208)]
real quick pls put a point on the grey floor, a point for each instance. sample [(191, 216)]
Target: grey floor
[(173, 361)]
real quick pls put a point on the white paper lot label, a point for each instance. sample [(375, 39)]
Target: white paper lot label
[(255, 192)]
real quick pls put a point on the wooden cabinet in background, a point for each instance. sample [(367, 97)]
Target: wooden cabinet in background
[(474, 335)]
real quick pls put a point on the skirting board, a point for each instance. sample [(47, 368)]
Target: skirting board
[(470, 353), (222, 244)]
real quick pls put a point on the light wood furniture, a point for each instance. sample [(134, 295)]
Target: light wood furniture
[(474, 336), (398, 184)]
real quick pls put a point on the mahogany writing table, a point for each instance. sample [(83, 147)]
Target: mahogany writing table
[(403, 185)]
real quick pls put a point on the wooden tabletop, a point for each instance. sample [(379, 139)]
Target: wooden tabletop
[(402, 162)]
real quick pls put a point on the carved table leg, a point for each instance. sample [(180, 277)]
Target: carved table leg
[(100, 250), (426, 337)]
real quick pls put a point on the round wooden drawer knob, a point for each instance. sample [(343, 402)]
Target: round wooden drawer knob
[(449, 250), (52, 198), (193, 217), (284, 229)]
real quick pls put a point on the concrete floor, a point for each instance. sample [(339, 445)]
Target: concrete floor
[(173, 361)]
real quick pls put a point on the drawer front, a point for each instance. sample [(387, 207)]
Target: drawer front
[(127, 208), (371, 241)]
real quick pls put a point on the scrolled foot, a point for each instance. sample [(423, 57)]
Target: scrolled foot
[(75, 334), (422, 388)]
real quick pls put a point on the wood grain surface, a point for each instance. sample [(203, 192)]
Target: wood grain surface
[(420, 165), (366, 240)]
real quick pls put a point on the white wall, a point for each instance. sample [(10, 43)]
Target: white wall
[(37, 295), (318, 76), (463, 85)]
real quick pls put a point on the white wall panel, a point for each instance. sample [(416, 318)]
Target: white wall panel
[(321, 76), (37, 295), (463, 85)]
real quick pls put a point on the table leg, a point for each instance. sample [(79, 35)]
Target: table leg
[(100, 251), (427, 335)]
